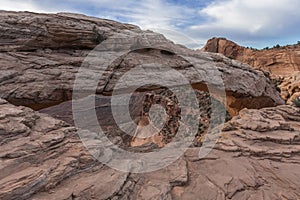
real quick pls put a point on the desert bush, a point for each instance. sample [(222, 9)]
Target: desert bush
[(277, 82), (296, 101), (98, 37), (277, 46)]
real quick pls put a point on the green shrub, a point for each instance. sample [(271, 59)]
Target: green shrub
[(296, 101), (98, 37), (277, 46)]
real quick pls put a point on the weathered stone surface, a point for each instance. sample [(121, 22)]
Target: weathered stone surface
[(278, 61), (162, 127), (25, 31), (256, 157), (37, 152), (41, 54), (290, 87)]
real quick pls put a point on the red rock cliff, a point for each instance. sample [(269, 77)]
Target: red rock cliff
[(278, 61)]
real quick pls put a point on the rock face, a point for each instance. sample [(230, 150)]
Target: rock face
[(41, 54), (255, 147), (43, 157), (26, 31), (37, 152), (290, 87), (256, 157), (278, 61)]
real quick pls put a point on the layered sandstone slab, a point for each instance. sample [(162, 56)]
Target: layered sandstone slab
[(43, 157), (256, 157)]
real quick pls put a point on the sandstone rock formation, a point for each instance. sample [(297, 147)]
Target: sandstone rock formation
[(43, 157), (41, 54), (290, 87), (278, 61), (257, 157), (163, 128), (37, 152)]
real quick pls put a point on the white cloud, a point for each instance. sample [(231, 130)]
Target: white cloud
[(255, 18), (156, 15), (148, 14), (245, 21), (18, 5), (32, 6)]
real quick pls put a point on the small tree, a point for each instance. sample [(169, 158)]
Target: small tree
[(98, 37), (277, 46)]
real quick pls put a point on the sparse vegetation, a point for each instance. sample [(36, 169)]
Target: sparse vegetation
[(253, 49), (296, 101), (98, 37), (277, 46), (276, 82)]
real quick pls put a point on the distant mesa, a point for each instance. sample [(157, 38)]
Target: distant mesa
[(280, 61)]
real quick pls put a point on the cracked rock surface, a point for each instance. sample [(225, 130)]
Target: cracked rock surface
[(256, 157)]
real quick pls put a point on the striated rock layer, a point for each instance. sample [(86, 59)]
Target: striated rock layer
[(41, 54), (278, 61), (256, 157), (41, 157)]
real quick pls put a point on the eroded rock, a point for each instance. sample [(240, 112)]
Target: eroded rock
[(290, 87), (257, 156), (280, 61), (38, 69)]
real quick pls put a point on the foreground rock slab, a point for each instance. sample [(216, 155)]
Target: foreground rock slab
[(256, 157)]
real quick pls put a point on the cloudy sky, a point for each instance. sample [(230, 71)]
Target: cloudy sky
[(256, 23)]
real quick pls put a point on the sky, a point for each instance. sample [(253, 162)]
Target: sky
[(253, 23)]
